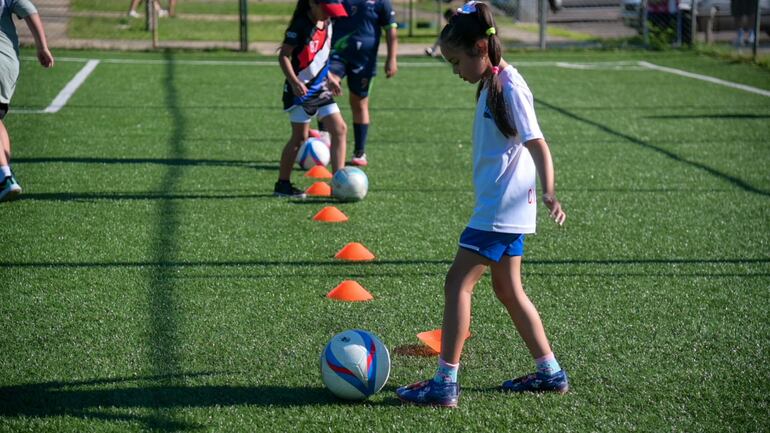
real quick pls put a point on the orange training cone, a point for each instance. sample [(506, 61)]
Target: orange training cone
[(354, 251), (350, 291), (319, 189), (330, 214), (432, 339), (319, 172)]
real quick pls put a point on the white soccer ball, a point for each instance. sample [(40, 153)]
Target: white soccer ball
[(321, 135), (355, 364), (350, 184), (313, 152)]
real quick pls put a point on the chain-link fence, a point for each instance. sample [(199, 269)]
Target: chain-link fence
[(258, 25)]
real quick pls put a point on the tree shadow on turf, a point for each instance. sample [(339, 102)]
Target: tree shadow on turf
[(170, 162), (122, 399), (710, 116), (117, 196), (734, 180)]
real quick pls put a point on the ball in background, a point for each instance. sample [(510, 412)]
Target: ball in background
[(355, 364), (313, 152), (350, 184), (321, 135)]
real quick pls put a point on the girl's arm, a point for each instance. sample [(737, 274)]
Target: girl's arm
[(541, 154), (284, 59), (391, 65), (36, 28)]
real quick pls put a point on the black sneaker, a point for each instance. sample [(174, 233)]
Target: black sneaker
[(286, 189)]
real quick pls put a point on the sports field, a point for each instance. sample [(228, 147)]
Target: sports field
[(150, 281)]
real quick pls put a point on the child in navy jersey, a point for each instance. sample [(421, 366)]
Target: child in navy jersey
[(508, 153), (307, 91), (354, 55)]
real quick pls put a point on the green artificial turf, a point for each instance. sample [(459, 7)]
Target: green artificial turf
[(199, 7), (150, 281), (174, 29)]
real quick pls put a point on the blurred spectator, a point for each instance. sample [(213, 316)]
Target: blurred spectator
[(744, 14), (171, 11)]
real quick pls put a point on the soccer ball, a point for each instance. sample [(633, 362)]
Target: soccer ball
[(350, 184), (313, 152), (321, 135), (355, 364)]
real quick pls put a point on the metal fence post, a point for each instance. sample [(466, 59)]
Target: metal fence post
[(755, 45), (678, 41), (244, 18), (411, 17), (153, 14), (542, 13), (645, 26), (693, 22), (148, 15)]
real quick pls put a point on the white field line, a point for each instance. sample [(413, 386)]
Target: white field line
[(61, 99), (705, 78), (274, 63)]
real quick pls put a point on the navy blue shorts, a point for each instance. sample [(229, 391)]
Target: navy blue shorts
[(358, 67), (492, 245)]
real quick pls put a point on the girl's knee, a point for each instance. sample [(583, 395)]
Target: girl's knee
[(507, 297), (453, 286), (335, 124), (340, 128)]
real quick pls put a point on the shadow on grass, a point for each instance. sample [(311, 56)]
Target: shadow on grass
[(172, 162), (710, 116), (376, 262), (740, 183), (115, 399), (116, 196)]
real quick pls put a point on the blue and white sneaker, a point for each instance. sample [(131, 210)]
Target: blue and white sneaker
[(9, 189), (430, 393), (538, 382)]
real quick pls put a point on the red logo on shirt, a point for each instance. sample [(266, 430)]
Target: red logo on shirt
[(531, 196)]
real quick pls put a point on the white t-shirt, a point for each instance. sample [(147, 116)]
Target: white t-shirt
[(504, 173)]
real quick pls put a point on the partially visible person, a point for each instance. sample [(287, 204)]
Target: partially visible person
[(9, 74), (171, 11), (434, 50), (744, 14), (308, 90), (509, 151), (355, 44)]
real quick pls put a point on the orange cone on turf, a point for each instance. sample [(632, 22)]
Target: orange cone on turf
[(354, 251), (330, 214), (349, 291), (432, 339), (319, 189), (319, 172)]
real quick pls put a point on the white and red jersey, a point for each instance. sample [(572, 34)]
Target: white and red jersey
[(309, 59)]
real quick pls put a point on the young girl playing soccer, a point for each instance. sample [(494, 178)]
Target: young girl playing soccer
[(9, 73), (308, 88), (508, 151)]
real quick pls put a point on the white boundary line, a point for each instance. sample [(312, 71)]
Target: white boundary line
[(272, 63), (66, 93), (61, 99), (705, 78)]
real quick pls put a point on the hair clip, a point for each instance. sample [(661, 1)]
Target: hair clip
[(491, 31), (468, 8), (495, 70)]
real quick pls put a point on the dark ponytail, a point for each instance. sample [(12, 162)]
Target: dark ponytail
[(464, 30), (302, 9)]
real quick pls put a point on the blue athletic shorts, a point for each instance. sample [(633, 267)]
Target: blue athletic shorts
[(358, 67), (492, 245)]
